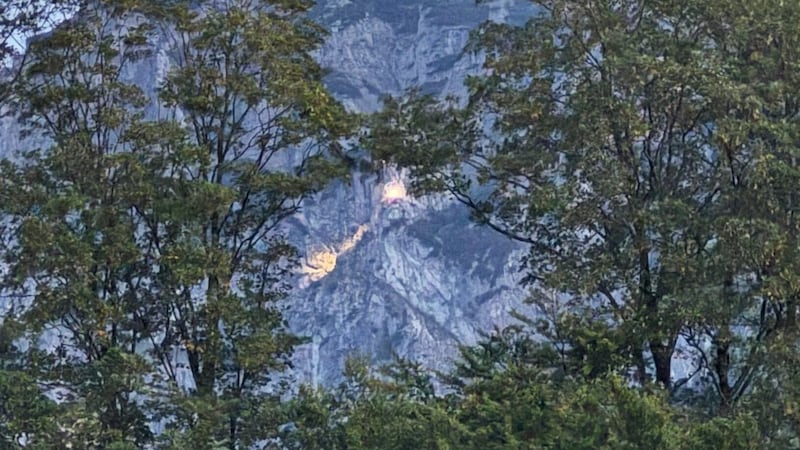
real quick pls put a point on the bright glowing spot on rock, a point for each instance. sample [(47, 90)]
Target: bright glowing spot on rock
[(322, 261), (394, 191), (319, 263)]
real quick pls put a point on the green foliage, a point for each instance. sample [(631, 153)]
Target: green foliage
[(251, 95), (520, 405), (19, 21), (147, 248), (24, 411), (730, 433), (644, 153), (368, 411)]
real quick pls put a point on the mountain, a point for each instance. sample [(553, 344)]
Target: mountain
[(379, 47), (387, 273), (383, 272)]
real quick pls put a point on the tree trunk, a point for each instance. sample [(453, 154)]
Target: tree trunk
[(721, 366), (662, 357)]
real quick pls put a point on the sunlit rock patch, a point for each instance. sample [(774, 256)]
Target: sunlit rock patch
[(321, 261), (394, 191)]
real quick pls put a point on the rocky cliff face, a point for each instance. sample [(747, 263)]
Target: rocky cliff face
[(386, 273), (379, 47), (398, 275)]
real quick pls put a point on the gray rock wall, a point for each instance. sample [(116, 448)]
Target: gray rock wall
[(421, 278)]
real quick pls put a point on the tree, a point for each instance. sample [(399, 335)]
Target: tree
[(73, 246), (515, 404), (598, 160), (393, 408), (149, 247), (758, 133), (259, 123), (22, 19), (24, 412), (629, 145)]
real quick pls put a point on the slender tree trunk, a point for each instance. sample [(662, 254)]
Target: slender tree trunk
[(232, 433), (662, 357), (662, 352), (721, 367)]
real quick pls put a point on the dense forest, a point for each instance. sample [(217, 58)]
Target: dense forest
[(645, 152)]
